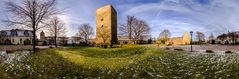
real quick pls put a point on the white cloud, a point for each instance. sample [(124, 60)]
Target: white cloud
[(218, 16)]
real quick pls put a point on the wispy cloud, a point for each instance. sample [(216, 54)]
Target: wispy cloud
[(215, 16)]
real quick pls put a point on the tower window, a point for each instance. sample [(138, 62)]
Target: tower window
[(101, 19)]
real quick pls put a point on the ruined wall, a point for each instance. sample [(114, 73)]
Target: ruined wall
[(186, 38), (106, 25)]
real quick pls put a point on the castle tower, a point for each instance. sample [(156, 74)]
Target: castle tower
[(42, 36), (106, 25)]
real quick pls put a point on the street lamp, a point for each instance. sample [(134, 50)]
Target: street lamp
[(191, 32)]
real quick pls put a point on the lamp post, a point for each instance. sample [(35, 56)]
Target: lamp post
[(191, 32)]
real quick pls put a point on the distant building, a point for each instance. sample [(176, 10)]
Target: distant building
[(126, 40), (106, 25), (76, 40), (16, 37), (228, 38), (50, 40), (123, 39), (59, 40), (184, 40)]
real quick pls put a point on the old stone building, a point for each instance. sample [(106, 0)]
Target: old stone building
[(106, 25), (184, 40)]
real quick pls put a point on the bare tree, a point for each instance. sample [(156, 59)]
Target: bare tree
[(164, 36), (85, 31), (233, 36), (201, 37), (222, 37), (56, 28), (128, 28), (141, 29), (211, 39), (104, 36), (135, 29), (33, 14)]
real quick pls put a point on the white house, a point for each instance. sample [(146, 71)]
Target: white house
[(16, 37)]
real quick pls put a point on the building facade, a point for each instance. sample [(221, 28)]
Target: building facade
[(16, 37), (106, 25)]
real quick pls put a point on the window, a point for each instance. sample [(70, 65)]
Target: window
[(21, 41), (26, 33), (13, 33), (101, 19), (102, 26), (3, 33)]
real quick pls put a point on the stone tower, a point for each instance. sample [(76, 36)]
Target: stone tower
[(106, 25), (42, 36)]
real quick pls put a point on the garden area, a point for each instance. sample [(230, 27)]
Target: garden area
[(130, 61)]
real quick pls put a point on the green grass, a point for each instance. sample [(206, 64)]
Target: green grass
[(127, 62)]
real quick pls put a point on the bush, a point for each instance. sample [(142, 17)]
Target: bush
[(179, 49), (209, 51), (50, 47), (167, 48), (9, 51), (228, 52)]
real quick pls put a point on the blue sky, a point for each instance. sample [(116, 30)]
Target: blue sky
[(208, 16)]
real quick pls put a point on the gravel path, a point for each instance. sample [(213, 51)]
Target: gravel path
[(203, 48)]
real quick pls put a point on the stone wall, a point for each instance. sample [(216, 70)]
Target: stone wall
[(184, 40)]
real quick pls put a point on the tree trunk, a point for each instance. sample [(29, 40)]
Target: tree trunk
[(55, 36), (34, 39), (86, 40), (55, 41)]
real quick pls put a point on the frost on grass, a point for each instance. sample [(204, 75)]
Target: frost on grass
[(153, 64), (11, 57)]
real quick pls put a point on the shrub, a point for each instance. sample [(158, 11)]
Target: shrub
[(209, 51), (179, 49), (9, 51), (167, 48), (50, 47), (228, 52)]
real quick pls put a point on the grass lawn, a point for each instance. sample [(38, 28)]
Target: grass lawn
[(126, 62)]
